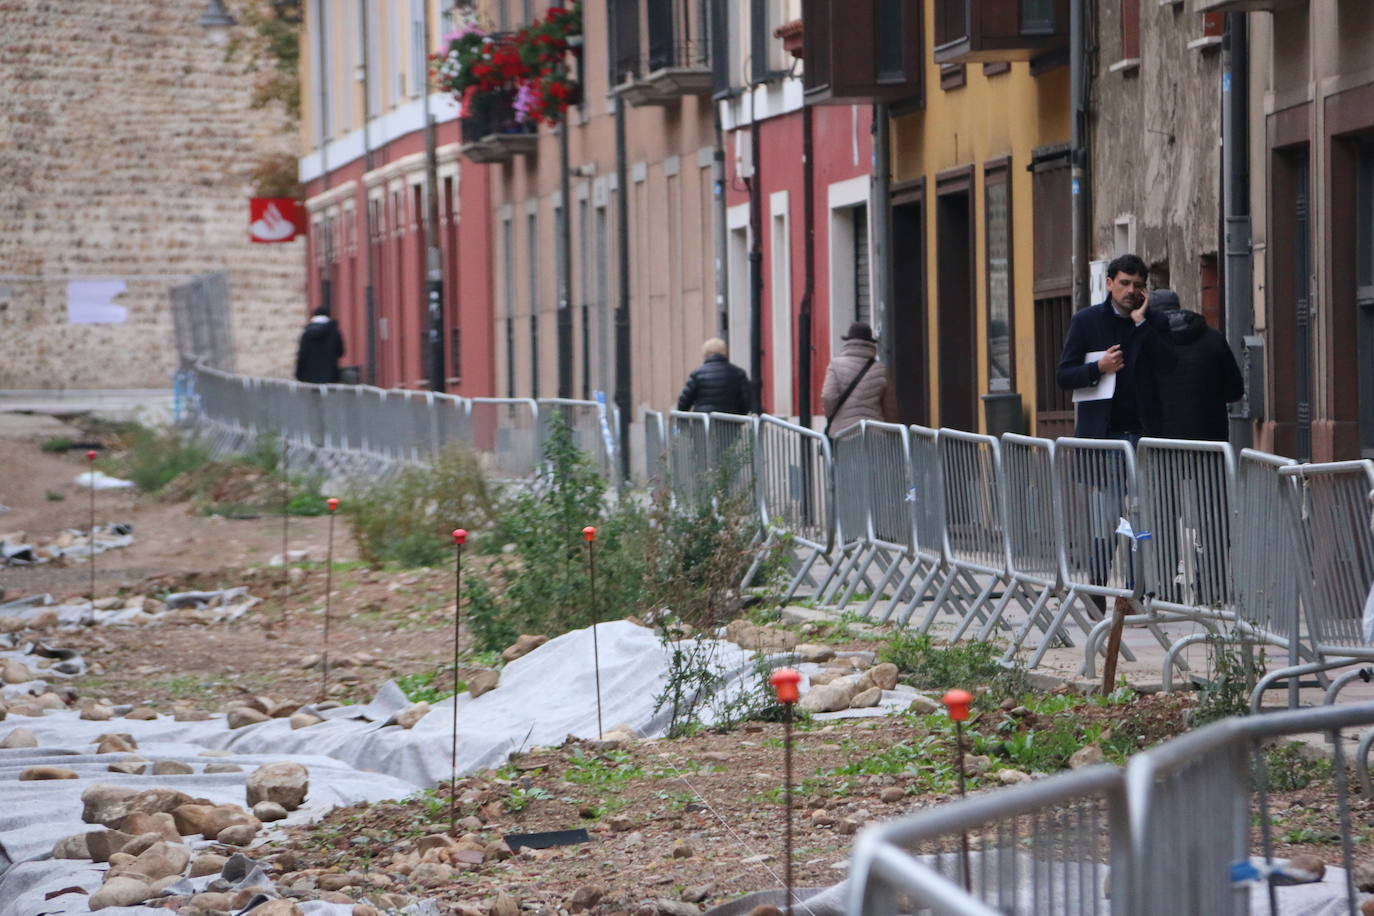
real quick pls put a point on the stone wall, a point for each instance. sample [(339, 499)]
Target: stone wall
[(126, 141), (1155, 133)]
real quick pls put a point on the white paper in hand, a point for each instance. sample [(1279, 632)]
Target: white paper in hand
[(1106, 384)]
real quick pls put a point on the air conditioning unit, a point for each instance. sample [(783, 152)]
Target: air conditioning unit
[(744, 154)]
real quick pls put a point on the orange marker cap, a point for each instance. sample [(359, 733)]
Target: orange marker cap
[(460, 535), (332, 503), (589, 534), (958, 702), (785, 681)]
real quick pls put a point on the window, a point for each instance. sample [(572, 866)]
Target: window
[(888, 34), (624, 29), (951, 21), (1364, 291), (1037, 17), (418, 55), (863, 297), (1130, 30), (1000, 333)]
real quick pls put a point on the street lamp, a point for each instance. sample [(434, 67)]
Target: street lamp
[(216, 22)]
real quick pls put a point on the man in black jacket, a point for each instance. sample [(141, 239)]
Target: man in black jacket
[(1195, 396), (1127, 339), (717, 385), (321, 347)]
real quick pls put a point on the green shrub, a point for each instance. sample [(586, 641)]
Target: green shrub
[(154, 458), (969, 665), (57, 444), (407, 519)]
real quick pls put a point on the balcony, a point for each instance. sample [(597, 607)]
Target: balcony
[(862, 51), (1000, 30), (492, 133), (678, 63), (1244, 6)]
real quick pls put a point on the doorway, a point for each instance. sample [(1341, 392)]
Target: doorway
[(908, 315), (957, 351)]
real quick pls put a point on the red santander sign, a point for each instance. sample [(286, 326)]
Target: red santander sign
[(273, 219)]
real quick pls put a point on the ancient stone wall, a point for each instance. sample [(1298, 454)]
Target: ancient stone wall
[(126, 142)]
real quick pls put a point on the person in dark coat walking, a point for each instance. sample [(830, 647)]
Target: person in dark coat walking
[(320, 349), (717, 385), (1128, 339), (1195, 395)]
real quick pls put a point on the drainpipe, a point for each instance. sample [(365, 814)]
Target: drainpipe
[(882, 226), (622, 309), (1078, 153), (755, 260), (1239, 266), (369, 293), (565, 328), (721, 224), (434, 288), (326, 297), (804, 336)]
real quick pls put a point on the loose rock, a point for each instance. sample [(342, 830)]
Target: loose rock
[(1012, 777), (483, 681), (237, 835), (124, 890), (134, 767), (892, 794), (885, 676), (240, 716), (105, 804), (97, 712), (172, 768), (207, 864), (19, 737), (304, 719), (267, 811), (503, 905), (283, 783), (104, 843), (222, 768), (15, 672), (1086, 756), (867, 699), (115, 744), (431, 874), (412, 714), (143, 713), (72, 847), (526, 644), (586, 897), (808, 652), (47, 772)]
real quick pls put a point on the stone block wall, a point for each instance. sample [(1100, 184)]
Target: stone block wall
[(126, 142)]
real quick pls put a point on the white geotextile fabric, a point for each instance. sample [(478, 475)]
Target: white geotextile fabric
[(225, 604)]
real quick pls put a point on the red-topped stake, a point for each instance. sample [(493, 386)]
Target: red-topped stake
[(460, 537), (958, 702), (787, 682), (333, 504), (90, 458), (589, 534)]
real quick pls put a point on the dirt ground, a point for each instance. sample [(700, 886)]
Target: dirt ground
[(695, 820)]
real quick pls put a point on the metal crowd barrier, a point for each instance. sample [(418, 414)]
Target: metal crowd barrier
[(1185, 827), (851, 516), (731, 458), (1030, 498), (890, 490), (689, 450), (591, 423), (506, 430), (655, 446), (796, 491)]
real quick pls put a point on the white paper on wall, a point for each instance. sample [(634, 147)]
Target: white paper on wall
[(93, 302)]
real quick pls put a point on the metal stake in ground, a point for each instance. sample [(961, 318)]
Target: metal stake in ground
[(958, 702), (90, 475), (285, 518), (333, 505), (785, 681), (459, 538), (589, 535)]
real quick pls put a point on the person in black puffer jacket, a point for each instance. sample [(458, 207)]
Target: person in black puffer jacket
[(321, 347), (717, 385), (1194, 396)]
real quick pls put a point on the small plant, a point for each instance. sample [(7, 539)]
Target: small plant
[(698, 692), (422, 686), (53, 496), (1235, 670), (926, 666), (1289, 769), (608, 772), (57, 444), (520, 797), (155, 458)]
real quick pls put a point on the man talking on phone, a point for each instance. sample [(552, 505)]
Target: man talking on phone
[(1113, 356)]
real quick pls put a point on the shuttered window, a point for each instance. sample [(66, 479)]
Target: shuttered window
[(863, 302)]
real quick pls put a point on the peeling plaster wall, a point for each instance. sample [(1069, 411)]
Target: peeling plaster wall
[(1155, 136), (126, 140)]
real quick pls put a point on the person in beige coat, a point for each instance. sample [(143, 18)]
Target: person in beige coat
[(873, 398)]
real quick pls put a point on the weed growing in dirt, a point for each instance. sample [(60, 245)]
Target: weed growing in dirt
[(53, 496), (154, 458), (696, 696), (969, 665), (57, 444), (421, 686), (407, 518), (1235, 670), (1288, 768), (607, 772)]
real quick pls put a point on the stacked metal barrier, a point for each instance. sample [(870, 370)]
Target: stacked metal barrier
[(1184, 827), (1014, 536)]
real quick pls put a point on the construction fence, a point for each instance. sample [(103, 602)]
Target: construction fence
[(1021, 538)]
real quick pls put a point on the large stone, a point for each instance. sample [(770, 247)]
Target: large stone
[(190, 819), (586, 897), (19, 737), (152, 867), (665, 907), (432, 874), (504, 905), (867, 698), (97, 712), (240, 716), (172, 768), (827, 697), (115, 744), (884, 676), (269, 811), (106, 804), (222, 768), (412, 714), (207, 864), (526, 644), (177, 854), (15, 672), (1086, 756), (124, 890), (302, 719), (141, 842), (162, 824), (922, 705), (1010, 777), (134, 766), (284, 783), (220, 817), (212, 902), (277, 908), (72, 847), (483, 681), (809, 652), (237, 835), (47, 772), (104, 843)]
